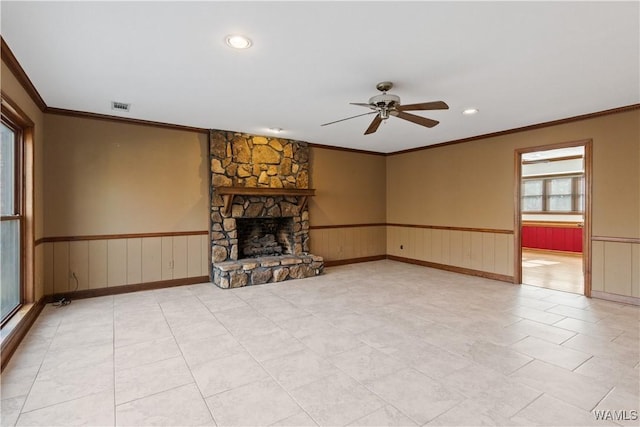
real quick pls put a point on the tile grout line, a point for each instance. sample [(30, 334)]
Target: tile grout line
[(261, 365), (35, 378), (185, 360)]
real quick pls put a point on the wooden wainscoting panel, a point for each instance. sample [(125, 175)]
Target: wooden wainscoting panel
[(417, 244), (98, 264), (454, 269), (324, 247), (151, 259), (358, 242), (436, 246), (348, 242), (379, 243), (194, 256), (476, 251), (47, 253), (61, 266), (446, 247), (472, 249), (167, 258), (597, 266), (391, 240), (204, 254), (79, 265), (510, 255), (411, 241), (635, 270), (315, 236), (502, 262), (405, 240), (116, 262), (466, 249), (344, 245), (134, 261), (456, 247), (488, 252), (180, 257), (617, 268)]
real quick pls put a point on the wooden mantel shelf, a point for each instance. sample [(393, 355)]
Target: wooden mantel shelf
[(228, 194)]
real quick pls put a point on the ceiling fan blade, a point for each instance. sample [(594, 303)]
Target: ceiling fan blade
[(423, 121), (349, 118), (374, 125), (435, 105), (361, 104)]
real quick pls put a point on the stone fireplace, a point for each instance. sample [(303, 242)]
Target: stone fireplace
[(259, 215)]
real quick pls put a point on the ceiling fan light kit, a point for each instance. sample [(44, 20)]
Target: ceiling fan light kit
[(387, 104)]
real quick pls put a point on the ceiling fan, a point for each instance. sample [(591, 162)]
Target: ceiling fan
[(386, 105)]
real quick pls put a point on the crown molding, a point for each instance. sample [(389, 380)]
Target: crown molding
[(350, 150), (12, 63), (522, 129), (124, 120)]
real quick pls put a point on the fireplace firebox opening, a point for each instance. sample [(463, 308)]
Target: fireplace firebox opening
[(264, 236)]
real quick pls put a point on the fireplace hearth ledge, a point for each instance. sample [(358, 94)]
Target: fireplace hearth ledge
[(267, 269)]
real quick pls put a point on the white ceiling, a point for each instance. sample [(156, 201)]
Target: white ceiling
[(519, 63)]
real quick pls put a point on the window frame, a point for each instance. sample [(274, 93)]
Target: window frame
[(546, 193), (15, 124)]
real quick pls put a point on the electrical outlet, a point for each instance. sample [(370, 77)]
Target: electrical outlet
[(71, 274), (401, 246)]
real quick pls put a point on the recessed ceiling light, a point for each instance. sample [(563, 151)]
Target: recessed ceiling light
[(470, 111), (275, 130), (238, 42)]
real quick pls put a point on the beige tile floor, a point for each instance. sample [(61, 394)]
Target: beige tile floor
[(553, 270), (381, 343)]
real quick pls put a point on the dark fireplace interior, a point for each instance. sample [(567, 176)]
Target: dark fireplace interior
[(264, 236)]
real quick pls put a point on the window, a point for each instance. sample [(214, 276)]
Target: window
[(11, 224), (549, 194)]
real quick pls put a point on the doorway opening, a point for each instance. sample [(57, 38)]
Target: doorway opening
[(553, 217)]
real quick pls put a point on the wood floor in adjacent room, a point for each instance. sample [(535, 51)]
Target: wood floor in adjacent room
[(375, 344), (562, 272)]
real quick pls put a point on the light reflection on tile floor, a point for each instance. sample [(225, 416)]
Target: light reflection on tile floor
[(554, 271), (380, 343)]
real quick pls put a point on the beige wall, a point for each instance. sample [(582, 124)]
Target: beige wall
[(108, 178), (103, 177), (471, 185), (113, 178), (96, 177), (12, 88), (350, 187), (350, 190)]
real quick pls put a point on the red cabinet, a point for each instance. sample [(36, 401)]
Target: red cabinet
[(556, 237)]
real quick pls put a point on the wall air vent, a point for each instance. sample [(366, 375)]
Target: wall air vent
[(120, 106)]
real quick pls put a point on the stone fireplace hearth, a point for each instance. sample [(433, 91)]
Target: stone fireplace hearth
[(259, 215)]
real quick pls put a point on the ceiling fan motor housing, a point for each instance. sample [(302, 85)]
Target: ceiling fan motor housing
[(384, 100)]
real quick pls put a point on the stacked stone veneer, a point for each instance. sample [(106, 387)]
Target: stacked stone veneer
[(242, 160)]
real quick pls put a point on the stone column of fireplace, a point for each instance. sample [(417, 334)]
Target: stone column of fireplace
[(248, 161)]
